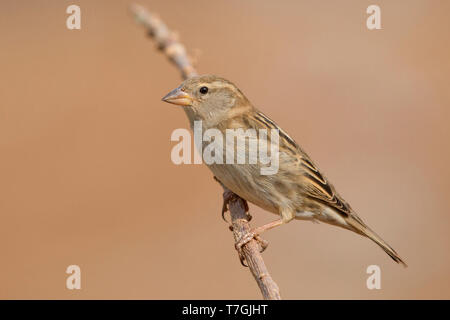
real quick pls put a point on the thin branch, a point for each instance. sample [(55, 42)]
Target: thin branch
[(251, 251), (167, 41)]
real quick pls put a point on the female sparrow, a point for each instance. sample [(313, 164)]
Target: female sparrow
[(297, 190)]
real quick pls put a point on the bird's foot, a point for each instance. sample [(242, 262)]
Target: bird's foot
[(229, 196), (255, 234), (246, 238)]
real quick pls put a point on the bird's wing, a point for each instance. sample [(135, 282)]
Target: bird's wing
[(316, 185), (318, 188)]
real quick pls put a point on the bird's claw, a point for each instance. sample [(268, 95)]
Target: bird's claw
[(229, 196), (263, 244)]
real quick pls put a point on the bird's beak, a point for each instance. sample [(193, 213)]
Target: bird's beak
[(178, 97)]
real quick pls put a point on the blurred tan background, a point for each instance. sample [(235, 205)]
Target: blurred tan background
[(85, 170)]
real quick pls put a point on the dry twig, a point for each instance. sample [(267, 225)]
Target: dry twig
[(167, 41)]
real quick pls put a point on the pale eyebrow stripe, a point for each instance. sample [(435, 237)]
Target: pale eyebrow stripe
[(220, 84)]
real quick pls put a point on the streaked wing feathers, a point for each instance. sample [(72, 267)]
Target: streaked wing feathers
[(316, 185), (319, 188)]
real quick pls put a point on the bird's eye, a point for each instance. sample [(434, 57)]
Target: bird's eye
[(204, 90)]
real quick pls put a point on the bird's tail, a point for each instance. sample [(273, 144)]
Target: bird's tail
[(361, 228)]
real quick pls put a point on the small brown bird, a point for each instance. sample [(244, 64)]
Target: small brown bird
[(298, 190)]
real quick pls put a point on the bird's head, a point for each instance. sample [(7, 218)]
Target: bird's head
[(209, 96)]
